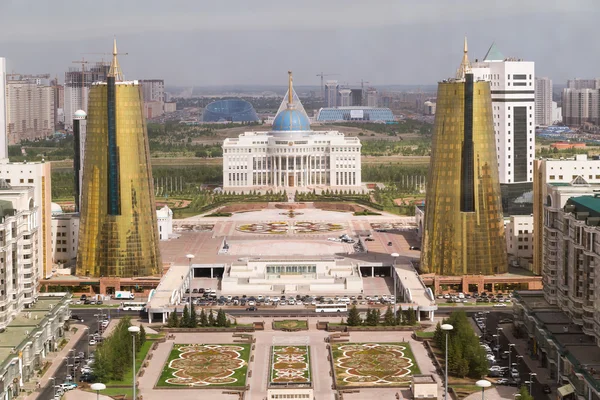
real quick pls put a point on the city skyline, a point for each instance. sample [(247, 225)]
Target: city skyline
[(210, 44)]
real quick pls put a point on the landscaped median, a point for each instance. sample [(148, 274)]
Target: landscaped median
[(205, 366), (290, 365), (290, 325)]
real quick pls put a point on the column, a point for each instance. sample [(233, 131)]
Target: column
[(302, 169), (279, 171)]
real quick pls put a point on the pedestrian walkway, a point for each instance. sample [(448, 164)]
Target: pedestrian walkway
[(543, 374), (494, 393), (56, 359), (83, 395)]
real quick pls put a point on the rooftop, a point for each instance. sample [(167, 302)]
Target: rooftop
[(584, 204)]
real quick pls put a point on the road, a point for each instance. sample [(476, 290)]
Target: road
[(90, 321)]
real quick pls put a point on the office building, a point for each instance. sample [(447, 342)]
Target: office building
[(362, 114), (77, 88), (552, 172), (65, 237), (118, 235), (3, 134), (30, 110), (520, 241), (513, 109), (464, 230), (291, 154), (580, 106), (153, 89), (331, 93), (543, 101), (372, 98)]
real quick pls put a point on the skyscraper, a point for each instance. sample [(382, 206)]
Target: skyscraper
[(543, 101), (3, 136), (30, 109), (464, 230), (331, 93), (118, 230), (513, 102)]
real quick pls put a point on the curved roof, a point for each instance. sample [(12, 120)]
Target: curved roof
[(80, 114), (55, 208), (291, 120), (234, 110)]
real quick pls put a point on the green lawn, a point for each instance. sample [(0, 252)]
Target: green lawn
[(203, 375), (128, 376), (425, 335), (72, 305), (290, 324)]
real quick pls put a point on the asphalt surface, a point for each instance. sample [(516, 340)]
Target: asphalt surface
[(90, 321)]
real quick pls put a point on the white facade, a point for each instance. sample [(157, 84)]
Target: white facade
[(65, 238), (164, 217), (513, 103), (372, 98), (308, 159), (543, 102), (519, 240), (296, 393), (30, 111), (556, 113), (3, 136), (580, 106), (331, 93), (19, 247), (345, 99)]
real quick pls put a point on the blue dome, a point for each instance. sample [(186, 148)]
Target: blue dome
[(291, 120)]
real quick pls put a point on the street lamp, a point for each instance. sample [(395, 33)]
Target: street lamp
[(190, 257), (88, 343), (510, 346), (531, 375), (53, 385), (134, 330), (97, 387), (66, 364), (447, 328), (395, 255), (485, 324), (483, 384)]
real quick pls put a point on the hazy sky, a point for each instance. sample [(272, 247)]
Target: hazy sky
[(202, 42)]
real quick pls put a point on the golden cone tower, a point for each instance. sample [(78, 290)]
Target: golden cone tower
[(118, 233), (464, 229)]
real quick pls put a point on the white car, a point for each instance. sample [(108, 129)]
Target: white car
[(260, 297), (461, 295), (105, 323), (92, 342), (229, 298), (291, 302), (299, 303), (251, 303), (275, 299), (500, 305)]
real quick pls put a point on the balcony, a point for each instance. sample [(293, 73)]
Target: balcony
[(588, 306)]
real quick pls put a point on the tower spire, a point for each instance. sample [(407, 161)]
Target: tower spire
[(290, 89), (115, 68), (465, 65)]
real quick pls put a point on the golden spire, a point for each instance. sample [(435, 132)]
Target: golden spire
[(465, 65), (290, 89), (115, 69)]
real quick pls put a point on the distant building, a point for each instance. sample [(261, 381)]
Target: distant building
[(291, 154), (583, 83), (170, 107), (230, 110), (362, 114), (30, 110), (567, 145), (520, 240), (356, 97), (77, 87), (164, 218), (372, 98), (345, 98), (153, 109), (331, 93), (543, 101), (429, 108), (3, 133), (153, 89), (556, 113), (65, 237), (581, 105)]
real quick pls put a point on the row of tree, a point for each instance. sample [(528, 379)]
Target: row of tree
[(465, 356), (373, 317), (114, 354), (190, 318)]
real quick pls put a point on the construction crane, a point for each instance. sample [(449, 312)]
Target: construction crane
[(322, 85)]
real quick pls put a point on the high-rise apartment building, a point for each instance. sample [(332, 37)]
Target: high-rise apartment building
[(580, 106), (77, 87), (543, 101), (331, 93), (583, 83), (118, 230), (30, 110), (153, 89), (464, 229), (513, 105), (3, 135)]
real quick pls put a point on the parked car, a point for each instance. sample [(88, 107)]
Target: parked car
[(414, 248), (500, 305), (546, 389), (389, 243), (252, 309), (502, 381), (92, 342)]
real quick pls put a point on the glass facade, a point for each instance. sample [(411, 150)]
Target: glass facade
[(233, 110), (118, 229), (464, 230), (355, 114)]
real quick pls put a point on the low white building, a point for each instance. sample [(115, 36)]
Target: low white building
[(291, 154), (65, 237), (519, 240), (164, 217)]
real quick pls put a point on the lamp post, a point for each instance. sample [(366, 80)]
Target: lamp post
[(88, 343), (497, 336), (531, 375), (53, 385), (190, 257), (134, 330), (485, 325), (97, 387), (66, 365), (510, 346), (395, 255), (483, 384), (447, 328)]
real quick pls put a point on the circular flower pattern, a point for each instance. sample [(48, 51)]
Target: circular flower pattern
[(290, 365)]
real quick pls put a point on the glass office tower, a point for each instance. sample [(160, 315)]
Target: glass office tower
[(464, 229), (118, 230)]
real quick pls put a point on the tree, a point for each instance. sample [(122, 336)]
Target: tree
[(203, 319), (438, 336), (193, 317), (524, 392), (211, 318), (185, 319), (173, 321), (412, 317), (388, 318), (353, 317), (373, 316), (142, 335), (221, 318)]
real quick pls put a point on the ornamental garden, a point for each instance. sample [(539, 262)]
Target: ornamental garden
[(290, 365), (205, 365), (282, 227), (373, 364)]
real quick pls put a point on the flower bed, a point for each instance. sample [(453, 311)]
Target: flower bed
[(290, 365), (316, 227), (205, 365), (290, 324), (373, 364), (278, 227)]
